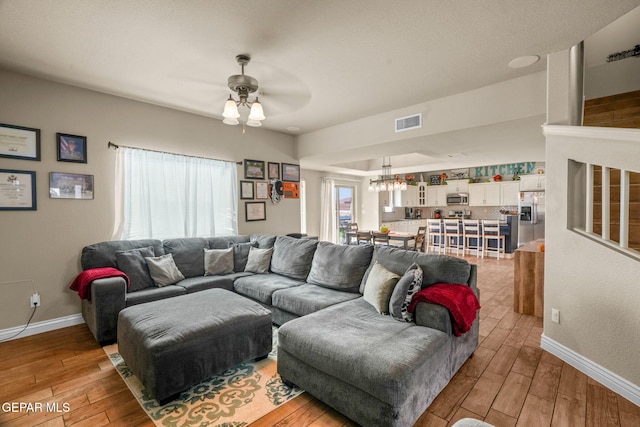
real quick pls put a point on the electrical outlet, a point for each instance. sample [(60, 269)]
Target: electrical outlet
[(555, 315), (35, 300)]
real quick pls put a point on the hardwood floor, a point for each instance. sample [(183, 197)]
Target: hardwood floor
[(510, 381)]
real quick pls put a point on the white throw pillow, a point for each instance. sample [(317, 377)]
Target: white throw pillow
[(163, 270), (379, 287), (259, 260), (218, 261)]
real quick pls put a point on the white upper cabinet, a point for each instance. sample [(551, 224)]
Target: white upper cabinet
[(406, 198), (422, 194), (457, 185), (437, 195), (534, 182), (484, 194), (509, 193)]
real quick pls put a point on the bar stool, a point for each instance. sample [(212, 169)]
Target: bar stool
[(435, 235), (491, 231), (471, 234), (452, 236)]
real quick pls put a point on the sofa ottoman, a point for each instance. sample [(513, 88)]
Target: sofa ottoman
[(175, 343)]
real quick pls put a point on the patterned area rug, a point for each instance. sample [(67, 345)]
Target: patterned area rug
[(235, 398)]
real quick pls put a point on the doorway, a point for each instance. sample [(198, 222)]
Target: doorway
[(345, 202)]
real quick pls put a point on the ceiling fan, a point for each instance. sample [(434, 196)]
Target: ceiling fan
[(243, 85)]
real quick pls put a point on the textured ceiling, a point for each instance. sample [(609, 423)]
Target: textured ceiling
[(319, 63)]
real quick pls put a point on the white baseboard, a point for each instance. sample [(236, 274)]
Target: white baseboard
[(605, 377), (40, 327)]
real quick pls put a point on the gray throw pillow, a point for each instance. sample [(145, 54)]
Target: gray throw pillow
[(259, 260), (409, 284), (132, 262), (163, 270), (379, 287), (241, 255), (218, 261)]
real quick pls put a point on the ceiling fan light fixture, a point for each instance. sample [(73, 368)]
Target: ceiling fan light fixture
[(256, 113), (243, 85), (230, 109), (230, 121)]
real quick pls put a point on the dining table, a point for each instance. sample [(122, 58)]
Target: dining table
[(399, 236)]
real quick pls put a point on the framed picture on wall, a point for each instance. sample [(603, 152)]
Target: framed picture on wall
[(255, 211), (246, 190), (71, 148), (70, 186), (17, 190), (262, 190), (254, 169), (17, 142), (274, 170), (290, 172)]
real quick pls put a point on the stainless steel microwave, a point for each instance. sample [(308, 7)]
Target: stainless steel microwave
[(458, 199)]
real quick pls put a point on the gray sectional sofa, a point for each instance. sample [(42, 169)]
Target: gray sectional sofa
[(377, 369)]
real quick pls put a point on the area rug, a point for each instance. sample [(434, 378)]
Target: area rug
[(235, 398)]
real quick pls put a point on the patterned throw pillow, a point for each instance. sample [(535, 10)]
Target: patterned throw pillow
[(409, 284)]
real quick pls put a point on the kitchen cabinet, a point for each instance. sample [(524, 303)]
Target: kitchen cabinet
[(437, 195), (422, 194), (534, 182), (406, 198), (509, 193), (458, 186), (484, 194)]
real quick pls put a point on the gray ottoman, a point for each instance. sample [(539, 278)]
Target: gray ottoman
[(175, 343)]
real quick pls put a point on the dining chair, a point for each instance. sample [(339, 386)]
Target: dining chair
[(435, 236), (419, 244), (491, 231), (379, 238), (452, 236), (363, 237), (350, 227), (472, 236)]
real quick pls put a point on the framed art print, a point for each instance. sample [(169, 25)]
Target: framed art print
[(255, 211), (290, 172), (17, 190), (71, 148), (246, 190), (17, 142), (254, 169), (262, 190), (274, 170), (70, 186)]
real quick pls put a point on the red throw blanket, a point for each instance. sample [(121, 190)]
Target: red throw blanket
[(460, 300), (82, 283)]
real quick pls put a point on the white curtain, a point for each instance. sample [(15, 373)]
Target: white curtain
[(163, 195), (328, 226)]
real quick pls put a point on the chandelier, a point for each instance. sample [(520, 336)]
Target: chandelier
[(243, 85), (387, 181)]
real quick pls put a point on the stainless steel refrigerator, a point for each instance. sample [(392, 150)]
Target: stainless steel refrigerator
[(531, 208)]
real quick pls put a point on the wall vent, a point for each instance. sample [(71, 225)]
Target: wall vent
[(409, 122)]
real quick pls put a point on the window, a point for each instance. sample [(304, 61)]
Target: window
[(163, 195)]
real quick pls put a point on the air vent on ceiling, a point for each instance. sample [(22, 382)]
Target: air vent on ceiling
[(409, 122)]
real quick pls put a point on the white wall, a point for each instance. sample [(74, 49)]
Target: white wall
[(45, 245), (612, 78), (595, 288)]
